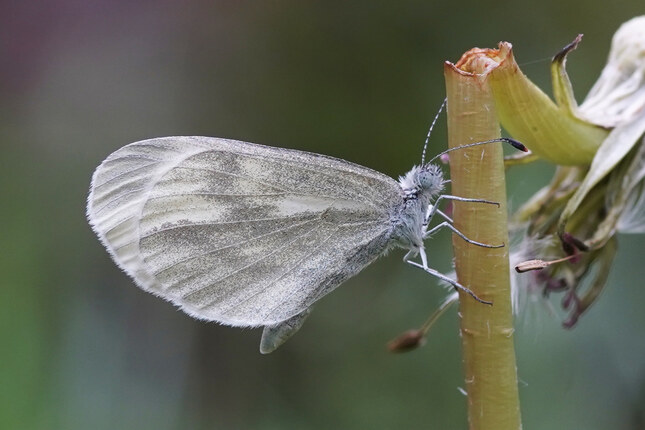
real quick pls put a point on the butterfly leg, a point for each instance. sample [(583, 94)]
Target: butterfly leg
[(412, 253), (444, 278), (446, 217), (428, 233), (435, 206)]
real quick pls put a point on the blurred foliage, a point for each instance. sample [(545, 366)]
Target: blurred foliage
[(84, 348)]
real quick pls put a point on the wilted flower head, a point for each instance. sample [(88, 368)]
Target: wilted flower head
[(619, 93), (569, 227)]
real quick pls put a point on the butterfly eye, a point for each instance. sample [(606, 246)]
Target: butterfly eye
[(430, 177)]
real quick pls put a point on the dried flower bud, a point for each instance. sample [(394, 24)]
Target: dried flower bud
[(529, 265), (407, 341)]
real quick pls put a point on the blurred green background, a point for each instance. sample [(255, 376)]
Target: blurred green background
[(83, 348)]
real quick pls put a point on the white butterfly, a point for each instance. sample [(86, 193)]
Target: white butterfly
[(249, 235)]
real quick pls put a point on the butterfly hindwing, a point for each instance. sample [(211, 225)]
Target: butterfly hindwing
[(239, 233)]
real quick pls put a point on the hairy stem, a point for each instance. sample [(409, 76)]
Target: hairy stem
[(486, 331)]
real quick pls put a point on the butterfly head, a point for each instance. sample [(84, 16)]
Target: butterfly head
[(423, 181)]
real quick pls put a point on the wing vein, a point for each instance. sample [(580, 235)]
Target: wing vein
[(261, 182), (291, 269), (128, 172), (231, 246), (117, 198), (194, 224), (220, 195), (322, 292), (127, 156), (301, 165), (250, 265)]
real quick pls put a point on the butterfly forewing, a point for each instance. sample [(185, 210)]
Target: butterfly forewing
[(239, 233)]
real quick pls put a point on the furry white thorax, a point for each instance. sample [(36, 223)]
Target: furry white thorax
[(427, 179), (420, 186)]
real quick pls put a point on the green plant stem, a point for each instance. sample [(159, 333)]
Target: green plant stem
[(486, 331)]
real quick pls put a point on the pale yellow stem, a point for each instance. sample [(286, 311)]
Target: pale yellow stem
[(486, 331)]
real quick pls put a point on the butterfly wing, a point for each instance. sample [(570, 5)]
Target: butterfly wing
[(239, 233)]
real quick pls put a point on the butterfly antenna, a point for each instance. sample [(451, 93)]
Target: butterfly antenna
[(425, 145), (514, 143)]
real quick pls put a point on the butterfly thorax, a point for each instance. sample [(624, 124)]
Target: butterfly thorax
[(419, 187)]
